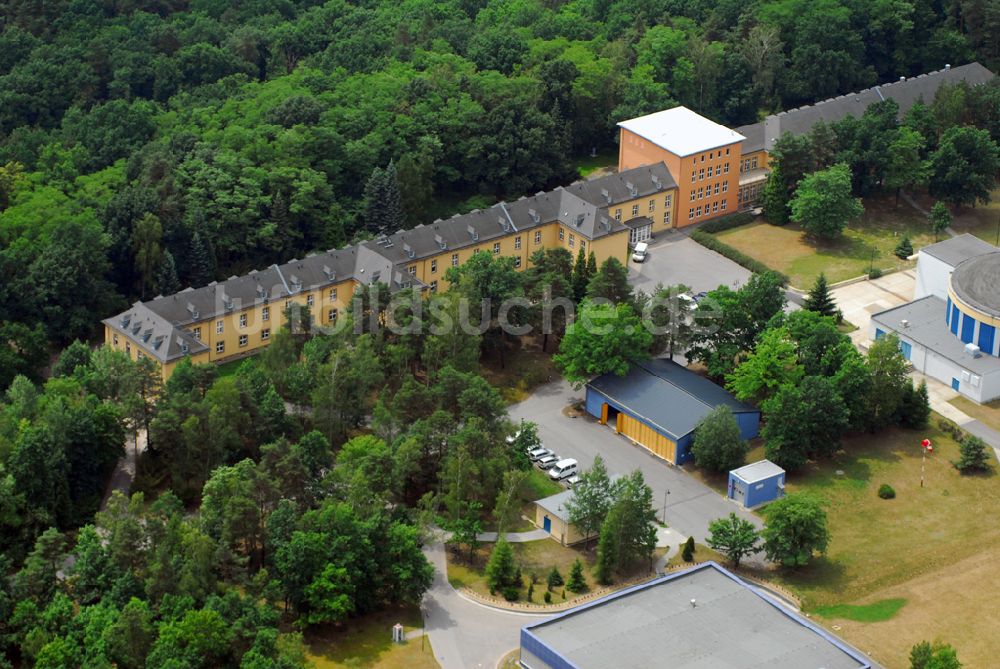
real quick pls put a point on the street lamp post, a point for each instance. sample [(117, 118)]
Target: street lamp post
[(665, 493)]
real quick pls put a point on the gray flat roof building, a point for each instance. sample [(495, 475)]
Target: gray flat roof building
[(701, 618), (958, 249)]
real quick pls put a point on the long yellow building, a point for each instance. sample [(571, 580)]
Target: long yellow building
[(229, 319)]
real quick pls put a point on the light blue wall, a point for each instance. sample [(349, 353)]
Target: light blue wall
[(757, 493)]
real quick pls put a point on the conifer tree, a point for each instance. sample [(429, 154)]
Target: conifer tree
[(201, 261), (501, 570), (819, 299), (591, 265), (580, 276), (167, 282), (395, 218), (577, 583), (375, 201)]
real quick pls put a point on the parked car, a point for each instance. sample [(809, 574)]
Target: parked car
[(700, 296), (547, 462), (563, 469), (538, 453), (640, 252), (571, 481)]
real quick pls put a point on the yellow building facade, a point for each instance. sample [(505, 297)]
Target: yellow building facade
[(229, 319)]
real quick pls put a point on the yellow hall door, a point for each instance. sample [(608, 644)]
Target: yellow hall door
[(647, 437)]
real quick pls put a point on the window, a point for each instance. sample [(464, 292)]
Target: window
[(517, 262), (454, 260), (219, 326), (333, 294), (220, 347), (710, 154), (701, 193), (517, 242), (243, 320), (697, 212), (412, 269), (434, 286), (128, 349), (703, 157), (572, 240), (331, 316), (692, 194), (715, 206), (690, 213), (725, 168), (635, 210), (618, 215), (244, 340), (753, 163), (538, 236), (694, 175), (562, 233), (718, 170), (701, 174), (197, 334), (496, 248), (727, 150), (668, 201), (265, 334), (725, 186), (265, 313), (114, 339), (723, 207), (666, 218), (652, 205), (716, 189), (139, 355), (434, 266), (309, 300)]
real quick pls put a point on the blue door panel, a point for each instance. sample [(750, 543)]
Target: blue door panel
[(968, 327), (547, 524), (906, 349), (954, 319), (987, 333), (954, 384)]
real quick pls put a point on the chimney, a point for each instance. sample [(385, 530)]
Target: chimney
[(534, 215)]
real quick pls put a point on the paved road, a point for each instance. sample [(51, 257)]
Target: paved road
[(464, 634), (691, 505)]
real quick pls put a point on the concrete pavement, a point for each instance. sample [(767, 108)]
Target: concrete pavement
[(676, 258), (690, 505), (465, 634)]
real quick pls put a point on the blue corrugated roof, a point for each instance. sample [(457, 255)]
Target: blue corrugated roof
[(667, 396)]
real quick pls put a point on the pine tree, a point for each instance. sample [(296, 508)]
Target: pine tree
[(166, 276), (501, 570), (395, 218), (577, 583), (688, 552), (904, 249), (591, 265), (554, 579), (819, 299), (580, 276), (608, 549), (375, 199), (201, 261), (974, 455)]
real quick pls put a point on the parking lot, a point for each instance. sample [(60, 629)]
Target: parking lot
[(690, 504), (675, 258)]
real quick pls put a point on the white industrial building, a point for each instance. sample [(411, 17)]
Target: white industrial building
[(950, 331)]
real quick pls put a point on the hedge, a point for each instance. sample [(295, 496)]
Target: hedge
[(752, 264), (728, 222)]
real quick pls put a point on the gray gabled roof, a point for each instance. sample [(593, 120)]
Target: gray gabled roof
[(613, 189), (956, 250), (905, 92), (153, 334), (667, 396)]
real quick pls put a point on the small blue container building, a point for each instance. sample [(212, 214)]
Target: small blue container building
[(757, 483)]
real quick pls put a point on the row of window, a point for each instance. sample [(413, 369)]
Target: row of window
[(651, 205), (697, 212), (750, 193), (714, 154), (701, 174), (749, 164), (707, 191)]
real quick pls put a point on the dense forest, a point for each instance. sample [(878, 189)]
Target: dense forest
[(145, 147)]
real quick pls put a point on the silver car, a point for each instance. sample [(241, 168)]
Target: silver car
[(538, 453), (547, 462)]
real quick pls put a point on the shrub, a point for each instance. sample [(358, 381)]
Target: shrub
[(975, 456), (885, 491), (729, 222), (904, 249), (510, 594), (577, 583), (875, 273), (688, 552), (740, 258), (548, 597), (531, 591), (555, 579)]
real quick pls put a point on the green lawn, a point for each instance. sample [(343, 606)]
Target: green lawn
[(983, 221), (606, 158), (931, 546), (229, 368), (869, 241), (367, 643), (986, 413)]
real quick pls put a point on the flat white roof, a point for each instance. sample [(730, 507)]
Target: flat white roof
[(681, 131), (757, 471)]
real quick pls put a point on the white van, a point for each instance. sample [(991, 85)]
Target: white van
[(639, 252), (563, 469)]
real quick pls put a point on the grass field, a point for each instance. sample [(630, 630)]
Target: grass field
[(929, 546), (983, 221), (702, 553), (367, 643), (985, 413), (229, 368), (787, 249)]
